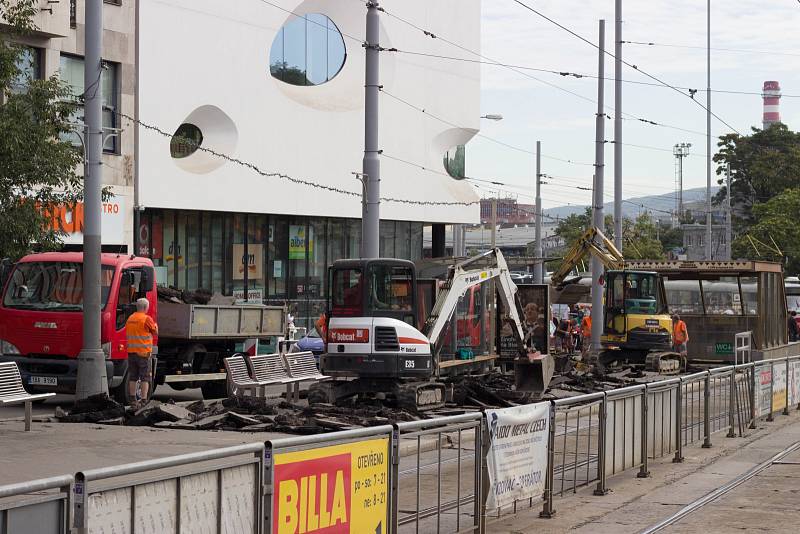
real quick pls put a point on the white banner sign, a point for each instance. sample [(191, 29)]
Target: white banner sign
[(517, 458)]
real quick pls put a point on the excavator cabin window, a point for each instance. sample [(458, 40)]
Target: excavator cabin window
[(634, 293), (390, 288)]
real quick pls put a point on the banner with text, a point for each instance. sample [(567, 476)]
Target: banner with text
[(333, 490), (517, 457)]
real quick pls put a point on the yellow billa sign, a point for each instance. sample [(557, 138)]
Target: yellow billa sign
[(332, 490)]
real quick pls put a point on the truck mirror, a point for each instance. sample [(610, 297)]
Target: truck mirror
[(146, 280), (21, 292)]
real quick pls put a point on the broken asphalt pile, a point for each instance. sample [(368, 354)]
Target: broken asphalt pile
[(246, 414)]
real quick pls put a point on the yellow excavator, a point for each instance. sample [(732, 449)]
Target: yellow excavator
[(637, 326)]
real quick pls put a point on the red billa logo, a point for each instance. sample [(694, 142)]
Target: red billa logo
[(313, 496)]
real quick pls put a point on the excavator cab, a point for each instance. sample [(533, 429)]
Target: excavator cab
[(636, 317)]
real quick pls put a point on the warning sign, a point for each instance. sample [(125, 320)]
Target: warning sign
[(332, 490)]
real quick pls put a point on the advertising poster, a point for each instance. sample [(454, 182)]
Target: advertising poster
[(535, 321), (298, 239), (332, 490), (253, 261), (517, 457)]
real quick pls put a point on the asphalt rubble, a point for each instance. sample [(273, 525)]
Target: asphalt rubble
[(259, 414)]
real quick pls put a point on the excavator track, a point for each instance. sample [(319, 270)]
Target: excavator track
[(665, 363), (420, 396)]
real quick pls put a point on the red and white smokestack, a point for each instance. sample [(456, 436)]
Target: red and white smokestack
[(772, 98)]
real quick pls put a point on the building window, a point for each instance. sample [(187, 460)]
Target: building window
[(308, 50), (455, 162), (71, 72), (29, 68), (185, 141)]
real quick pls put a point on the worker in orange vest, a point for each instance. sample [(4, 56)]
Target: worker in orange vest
[(680, 335), (586, 333), (140, 329)]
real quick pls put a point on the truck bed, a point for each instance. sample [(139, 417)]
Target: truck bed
[(205, 321)]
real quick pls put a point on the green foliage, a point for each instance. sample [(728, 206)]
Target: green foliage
[(670, 238), (37, 168), (641, 240), (776, 227)]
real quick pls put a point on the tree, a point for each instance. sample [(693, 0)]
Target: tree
[(37, 164), (641, 239), (763, 165), (775, 230), (671, 237)]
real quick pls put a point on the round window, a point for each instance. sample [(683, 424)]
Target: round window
[(308, 50), (185, 141)]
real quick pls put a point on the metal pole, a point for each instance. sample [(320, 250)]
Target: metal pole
[(732, 404), (708, 136), (707, 411), (539, 264), (680, 187), (599, 158), (370, 208), (92, 378), (618, 124), (492, 291), (679, 424), (644, 471), (728, 216)]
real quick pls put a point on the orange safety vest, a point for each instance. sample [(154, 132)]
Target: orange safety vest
[(140, 329), (679, 333), (586, 326)]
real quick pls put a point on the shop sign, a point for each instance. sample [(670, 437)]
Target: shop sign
[(298, 241), (253, 261), (254, 296), (723, 348), (70, 220), (517, 456), (332, 490)]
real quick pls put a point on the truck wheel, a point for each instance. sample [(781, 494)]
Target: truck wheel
[(214, 389)]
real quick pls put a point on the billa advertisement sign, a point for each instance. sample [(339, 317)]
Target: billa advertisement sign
[(332, 490)]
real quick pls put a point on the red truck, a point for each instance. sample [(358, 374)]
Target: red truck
[(41, 325)]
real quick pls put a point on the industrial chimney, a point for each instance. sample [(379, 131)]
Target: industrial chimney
[(772, 97)]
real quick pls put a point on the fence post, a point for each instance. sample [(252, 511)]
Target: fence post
[(679, 425), (481, 481), (732, 404), (547, 508), (267, 487), (395, 482), (753, 411), (771, 390), (601, 448), (786, 405), (643, 471), (707, 411)]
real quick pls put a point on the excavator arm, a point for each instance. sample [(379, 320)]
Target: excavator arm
[(594, 242), (460, 279)]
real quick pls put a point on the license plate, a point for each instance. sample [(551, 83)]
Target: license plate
[(43, 381)]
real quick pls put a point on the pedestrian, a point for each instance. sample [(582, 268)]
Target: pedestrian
[(680, 335), (794, 331), (586, 333), (140, 329)]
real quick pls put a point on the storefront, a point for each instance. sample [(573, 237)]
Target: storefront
[(261, 258)]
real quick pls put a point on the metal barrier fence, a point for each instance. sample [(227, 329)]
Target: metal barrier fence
[(421, 476)]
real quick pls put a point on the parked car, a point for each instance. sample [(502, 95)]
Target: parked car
[(310, 342)]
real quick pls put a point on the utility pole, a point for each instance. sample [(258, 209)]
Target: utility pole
[(370, 208), (492, 290), (709, 255), (597, 211), (92, 378), (538, 270), (618, 124), (728, 216), (680, 151)]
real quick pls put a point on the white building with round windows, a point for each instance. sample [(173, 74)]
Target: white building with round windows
[(272, 93)]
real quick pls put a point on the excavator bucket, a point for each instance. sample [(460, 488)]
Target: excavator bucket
[(533, 374)]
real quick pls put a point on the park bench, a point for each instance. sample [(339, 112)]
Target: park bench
[(12, 391), (302, 366), (270, 370), (239, 379)]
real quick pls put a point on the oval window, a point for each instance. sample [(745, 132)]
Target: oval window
[(455, 162), (185, 141), (308, 50)]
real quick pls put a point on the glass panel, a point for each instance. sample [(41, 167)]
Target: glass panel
[(316, 259), (387, 239), (722, 296), (307, 50), (336, 50), (683, 296), (192, 251), (750, 294), (52, 286), (180, 250), (416, 241), (108, 94), (236, 258), (390, 288), (171, 248), (354, 239), (256, 248), (185, 141), (402, 248), (641, 293), (29, 68), (278, 256), (205, 251), (336, 244), (347, 298), (217, 253), (293, 69), (316, 49), (455, 162)]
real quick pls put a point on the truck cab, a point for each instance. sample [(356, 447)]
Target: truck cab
[(41, 317)]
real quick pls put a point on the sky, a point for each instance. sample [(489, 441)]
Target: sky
[(565, 123)]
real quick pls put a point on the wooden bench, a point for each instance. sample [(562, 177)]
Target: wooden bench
[(239, 379), (302, 366), (270, 369), (12, 391)]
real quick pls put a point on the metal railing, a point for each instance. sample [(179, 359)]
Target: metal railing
[(421, 476)]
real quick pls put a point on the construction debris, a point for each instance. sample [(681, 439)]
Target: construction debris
[(178, 296)]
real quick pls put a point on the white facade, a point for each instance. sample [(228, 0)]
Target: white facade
[(207, 62)]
